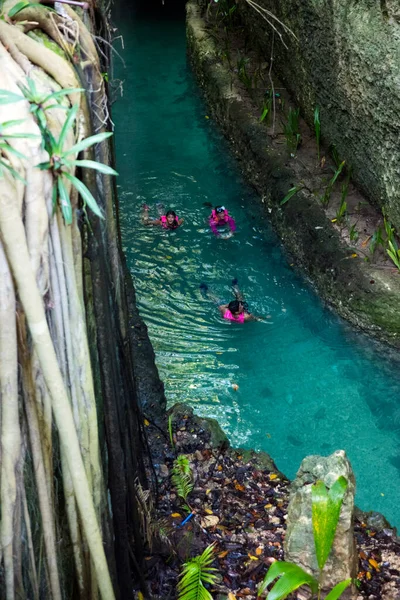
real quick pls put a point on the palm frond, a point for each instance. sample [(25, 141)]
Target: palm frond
[(195, 573)]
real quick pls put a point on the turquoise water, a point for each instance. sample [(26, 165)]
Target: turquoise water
[(308, 383)]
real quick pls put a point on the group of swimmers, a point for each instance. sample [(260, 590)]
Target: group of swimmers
[(220, 219)]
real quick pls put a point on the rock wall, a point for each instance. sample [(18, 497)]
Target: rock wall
[(366, 296), (346, 60)]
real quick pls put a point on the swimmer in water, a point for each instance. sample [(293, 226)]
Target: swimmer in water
[(220, 218), (168, 221), (236, 310)]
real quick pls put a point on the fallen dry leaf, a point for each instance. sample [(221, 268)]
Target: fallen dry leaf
[(374, 564), (209, 521)]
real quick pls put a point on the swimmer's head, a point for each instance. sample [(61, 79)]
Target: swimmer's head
[(236, 307), (220, 212), (171, 218)]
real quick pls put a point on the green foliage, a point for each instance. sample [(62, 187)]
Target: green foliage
[(41, 102), (6, 148), (335, 155), (394, 253), (292, 130), (171, 436), (25, 4), (226, 13), (390, 231), (341, 212), (325, 509), (353, 233), (325, 516), (290, 578), (317, 127), (195, 573), (242, 71), (290, 194), (376, 240), (182, 477), (266, 108), (327, 195), (60, 164)]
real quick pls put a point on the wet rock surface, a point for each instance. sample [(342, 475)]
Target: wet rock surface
[(239, 503)]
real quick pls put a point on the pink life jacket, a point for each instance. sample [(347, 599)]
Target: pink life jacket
[(215, 218), (228, 315), (164, 222)]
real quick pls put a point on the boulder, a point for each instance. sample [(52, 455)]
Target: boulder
[(299, 542)]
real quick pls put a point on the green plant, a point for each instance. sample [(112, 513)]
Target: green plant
[(342, 210), (353, 233), (182, 478), (290, 194), (325, 510), (60, 165), (292, 130), (6, 148), (317, 127), (335, 155), (243, 73), (394, 253), (376, 240), (327, 195), (24, 4), (39, 101), (171, 435), (266, 108), (390, 231), (195, 573)]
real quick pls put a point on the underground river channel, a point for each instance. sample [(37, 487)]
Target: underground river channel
[(307, 383)]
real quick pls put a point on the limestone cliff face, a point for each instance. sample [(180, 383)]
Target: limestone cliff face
[(347, 61)]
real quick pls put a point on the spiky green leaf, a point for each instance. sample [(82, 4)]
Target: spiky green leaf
[(90, 141), (13, 151), (65, 201), (91, 164), (6, 124), (63, 92), (325, 516), (68, 124), (338, 590), (13, 172), (85, 194), (291, 577), (290, 194), (7, 97)]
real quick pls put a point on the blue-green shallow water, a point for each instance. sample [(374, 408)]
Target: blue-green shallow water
[(308, 383)]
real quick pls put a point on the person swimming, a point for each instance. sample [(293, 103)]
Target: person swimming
[(221, 218), (168, 221), (237, 310)]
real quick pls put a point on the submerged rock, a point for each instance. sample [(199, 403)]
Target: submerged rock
[(299, 541)]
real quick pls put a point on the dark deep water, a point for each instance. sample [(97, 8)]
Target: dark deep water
[(308, 383)]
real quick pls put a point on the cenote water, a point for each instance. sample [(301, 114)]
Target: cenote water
[(308, 383)]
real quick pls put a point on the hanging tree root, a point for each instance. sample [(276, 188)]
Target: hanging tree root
[(83, 482)]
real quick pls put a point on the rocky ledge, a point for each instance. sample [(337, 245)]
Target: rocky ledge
[(239, 503), (365, 293)]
